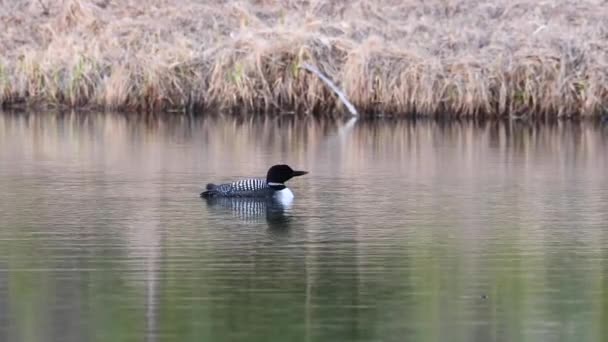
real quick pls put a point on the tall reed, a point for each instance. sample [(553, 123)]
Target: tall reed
[(453, 57)]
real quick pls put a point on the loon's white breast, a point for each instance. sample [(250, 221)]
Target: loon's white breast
[(284, 196)]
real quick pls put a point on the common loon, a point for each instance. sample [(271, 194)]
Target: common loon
[(272, 186)]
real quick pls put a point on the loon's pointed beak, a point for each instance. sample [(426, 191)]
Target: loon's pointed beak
[(298, 173)]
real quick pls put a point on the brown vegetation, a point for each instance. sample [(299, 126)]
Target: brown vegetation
[(461, 57)]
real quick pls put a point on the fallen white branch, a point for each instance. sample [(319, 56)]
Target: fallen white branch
[(330, 84)]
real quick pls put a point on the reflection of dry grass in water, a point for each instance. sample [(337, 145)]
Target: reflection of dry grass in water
[(465, 57)]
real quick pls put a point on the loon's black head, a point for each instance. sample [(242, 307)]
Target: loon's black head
[(279, 174)]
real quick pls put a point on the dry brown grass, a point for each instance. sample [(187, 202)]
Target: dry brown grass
[(461, 57)]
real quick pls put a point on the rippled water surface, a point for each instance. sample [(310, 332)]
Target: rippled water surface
[(402, 231)]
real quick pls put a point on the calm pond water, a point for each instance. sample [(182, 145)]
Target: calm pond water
[(402, 231)]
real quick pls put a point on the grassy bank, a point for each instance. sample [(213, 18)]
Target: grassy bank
[(464, 57)]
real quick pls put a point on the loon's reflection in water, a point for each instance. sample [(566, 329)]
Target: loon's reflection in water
[(254, 210)]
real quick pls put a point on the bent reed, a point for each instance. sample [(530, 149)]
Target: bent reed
[(454, 57)]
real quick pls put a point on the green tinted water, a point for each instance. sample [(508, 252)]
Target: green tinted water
[(402, 231)]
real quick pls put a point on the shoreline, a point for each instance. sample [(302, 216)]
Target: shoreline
[(454, 58), (341, 117)]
